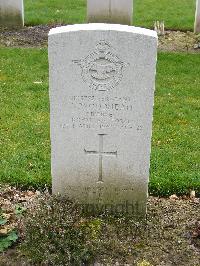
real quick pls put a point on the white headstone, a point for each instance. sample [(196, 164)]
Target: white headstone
[(101, 96), (11, 13), (197, 17), (110, 11)]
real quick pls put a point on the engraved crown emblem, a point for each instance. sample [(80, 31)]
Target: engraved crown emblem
[(102, 70)]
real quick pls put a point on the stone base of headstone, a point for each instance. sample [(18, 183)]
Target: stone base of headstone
[(11, 13)]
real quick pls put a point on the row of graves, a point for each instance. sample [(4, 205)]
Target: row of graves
[(102, 81), (108, 11)]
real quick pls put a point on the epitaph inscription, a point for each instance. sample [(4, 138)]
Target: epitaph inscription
[(102, 70)]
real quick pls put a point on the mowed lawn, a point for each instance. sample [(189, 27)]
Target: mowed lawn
[(24, 116), (177, 14)]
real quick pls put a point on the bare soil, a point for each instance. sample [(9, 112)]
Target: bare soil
[(177, 41), (170, 236), (37, 36)]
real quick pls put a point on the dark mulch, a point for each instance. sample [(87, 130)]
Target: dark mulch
[(170, 236), (37, 37), (26, 37)]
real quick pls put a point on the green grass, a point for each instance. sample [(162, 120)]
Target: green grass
[(54, 11), (24, 114), (175, 153), (24, 138), (177, 14)]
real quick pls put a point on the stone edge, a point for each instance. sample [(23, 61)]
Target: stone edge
[(103, 27)]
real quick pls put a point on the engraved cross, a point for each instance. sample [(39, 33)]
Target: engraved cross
[(101, 153)]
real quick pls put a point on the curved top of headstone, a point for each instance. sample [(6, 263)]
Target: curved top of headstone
[(103, 27)]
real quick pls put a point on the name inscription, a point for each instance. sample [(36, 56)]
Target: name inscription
[(100, 112)]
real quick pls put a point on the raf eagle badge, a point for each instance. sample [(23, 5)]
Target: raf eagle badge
[(101, 70)]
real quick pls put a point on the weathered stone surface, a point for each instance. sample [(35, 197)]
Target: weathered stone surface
[(101, 95), (197, 17), (11, 13), (110, 11)]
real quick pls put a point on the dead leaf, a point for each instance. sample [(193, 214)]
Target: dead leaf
[(192, 194), (4, 231), (196, 232), (174, 197), (30, 193), (37, 82)]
